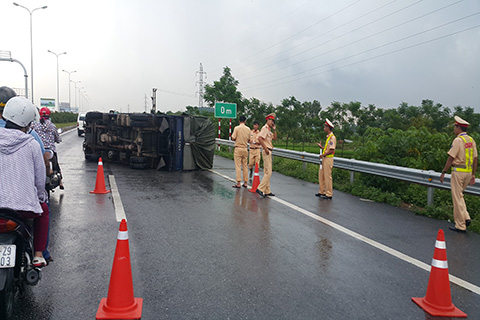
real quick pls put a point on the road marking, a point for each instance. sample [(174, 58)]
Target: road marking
[(462, 283), (117, 201)]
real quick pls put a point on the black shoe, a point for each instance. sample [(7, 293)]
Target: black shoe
[(468, 222), (326, 197), (270, 194), (261, 193), (458, 230), (319, 194)]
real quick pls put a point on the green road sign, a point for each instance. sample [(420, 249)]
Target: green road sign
[(225, 110)]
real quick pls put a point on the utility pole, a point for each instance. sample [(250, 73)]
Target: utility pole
[(154, 101), (145, 103), (200, 85)]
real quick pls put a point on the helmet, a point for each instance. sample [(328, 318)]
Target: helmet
[(45, 113), (20, 111), (6, 94)]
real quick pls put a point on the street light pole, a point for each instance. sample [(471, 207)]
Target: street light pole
[(76, 105), (31, 41), (69, 85), (58, 88)]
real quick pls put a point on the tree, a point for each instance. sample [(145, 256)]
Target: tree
[(224, 90)]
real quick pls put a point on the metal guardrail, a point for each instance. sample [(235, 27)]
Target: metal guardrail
[(428, 178)]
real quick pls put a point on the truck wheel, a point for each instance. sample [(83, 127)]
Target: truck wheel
[(93, 115), (140, 116), (138, 166), (135, 159), (139, 124), (91, 157), (6, 296)]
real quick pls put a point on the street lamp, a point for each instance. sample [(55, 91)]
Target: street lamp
[(58, 89), (76, 105), (31, 41), (69, 96)]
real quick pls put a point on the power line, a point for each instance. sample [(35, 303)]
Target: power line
[(367, 59), (297, 33), (325, 33), (348, 44)]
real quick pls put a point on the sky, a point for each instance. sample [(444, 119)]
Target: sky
[(379, 52)]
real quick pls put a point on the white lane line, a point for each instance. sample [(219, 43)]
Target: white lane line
[(462, 283), (117, 201)]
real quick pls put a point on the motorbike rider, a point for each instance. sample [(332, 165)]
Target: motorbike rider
[(47, 131), (23, 171)]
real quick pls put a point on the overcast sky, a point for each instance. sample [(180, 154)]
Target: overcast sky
[(379, 52)]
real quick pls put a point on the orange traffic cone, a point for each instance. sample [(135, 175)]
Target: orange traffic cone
[(256, 179), (100, 183), (438, 301), (120, 302)]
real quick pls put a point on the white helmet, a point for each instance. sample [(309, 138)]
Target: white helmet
[(20, 111)]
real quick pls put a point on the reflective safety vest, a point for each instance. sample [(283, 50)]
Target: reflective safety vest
[(326, 147), (468, 155)]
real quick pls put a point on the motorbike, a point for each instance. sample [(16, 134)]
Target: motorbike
[(16, 256), (52, 181)]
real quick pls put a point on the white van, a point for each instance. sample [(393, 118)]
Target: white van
[(81, 124)]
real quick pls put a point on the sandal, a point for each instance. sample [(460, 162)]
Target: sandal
[(39, 262), (245, 185), (235, 186)]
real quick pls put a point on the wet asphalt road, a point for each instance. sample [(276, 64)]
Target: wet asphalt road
[(203, 250)]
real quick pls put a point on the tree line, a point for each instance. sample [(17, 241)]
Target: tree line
[(411, 136)]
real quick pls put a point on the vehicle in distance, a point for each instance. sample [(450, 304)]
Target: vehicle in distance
[(158, 141), (81, 124)]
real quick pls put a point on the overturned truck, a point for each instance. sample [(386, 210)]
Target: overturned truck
[(161, 142)]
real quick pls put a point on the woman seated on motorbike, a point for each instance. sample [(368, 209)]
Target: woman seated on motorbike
[(47, 131), (23, 171)]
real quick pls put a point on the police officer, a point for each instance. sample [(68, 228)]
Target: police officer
[(255, 146), (325, 171), (241, 136), (265, 137), (463, 160)]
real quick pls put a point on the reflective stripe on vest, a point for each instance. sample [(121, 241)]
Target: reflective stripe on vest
[(326, 145), (468, 155)]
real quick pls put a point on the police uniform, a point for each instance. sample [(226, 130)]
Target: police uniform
[(325, 180), (267, 134), (241, 135), (255, 147), (464, 153)]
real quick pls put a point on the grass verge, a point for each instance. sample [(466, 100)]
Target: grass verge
[(409, 196)]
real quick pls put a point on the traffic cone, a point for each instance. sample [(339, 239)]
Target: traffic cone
[(438, 301), (120, 302), (100, 183), (256, 179)]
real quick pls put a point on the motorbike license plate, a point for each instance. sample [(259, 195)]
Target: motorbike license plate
[(7, 256)]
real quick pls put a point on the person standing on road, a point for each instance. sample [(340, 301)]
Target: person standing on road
[(463, 160), (325, 180), (241, 136), (254, 148), (265, 137)]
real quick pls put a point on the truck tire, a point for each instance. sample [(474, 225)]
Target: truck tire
[(93, 115), (139, 124), (135, 159), (140, 116), (139, 166)]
